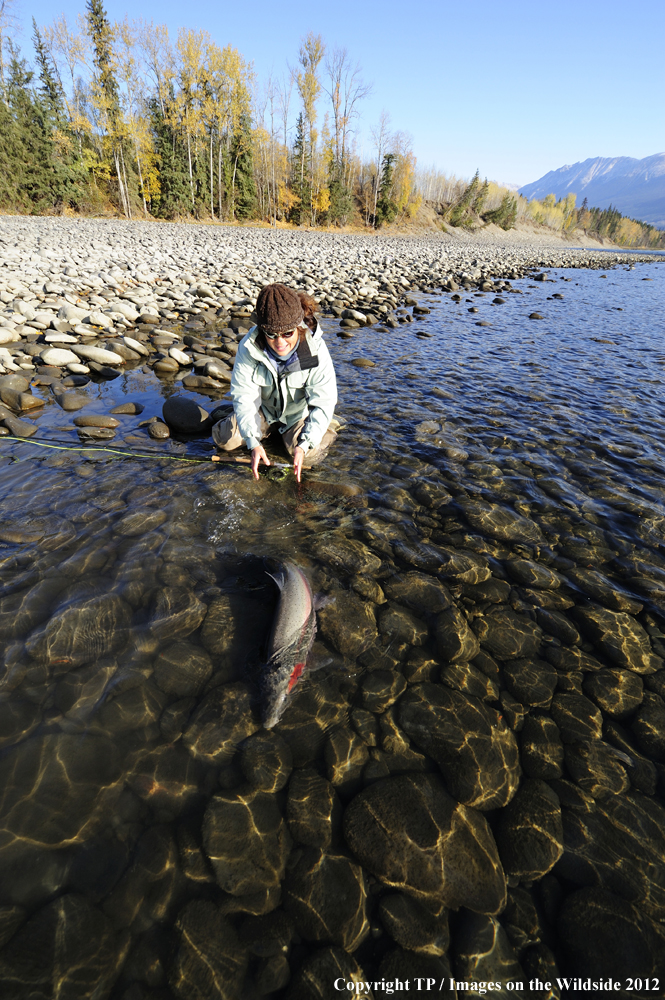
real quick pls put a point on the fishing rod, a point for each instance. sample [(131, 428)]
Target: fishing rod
[(235, 460)]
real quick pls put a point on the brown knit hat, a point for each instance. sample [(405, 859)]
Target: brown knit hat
[(278, 309)]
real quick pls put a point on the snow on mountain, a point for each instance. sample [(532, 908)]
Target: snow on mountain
[(635, 187)]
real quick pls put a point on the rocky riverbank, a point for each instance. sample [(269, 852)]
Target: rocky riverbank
[(82, 299)]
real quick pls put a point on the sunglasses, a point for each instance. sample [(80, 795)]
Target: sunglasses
[(274, 336)]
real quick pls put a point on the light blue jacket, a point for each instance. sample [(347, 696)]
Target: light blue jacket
[(309, 394)]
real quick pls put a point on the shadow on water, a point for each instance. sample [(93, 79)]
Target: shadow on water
[(471, 786)]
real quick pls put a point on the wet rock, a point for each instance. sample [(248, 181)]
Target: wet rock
[(68, 781), (483, 952), (246, 840), (605, 591), (412, 926), (349, 624), (469, 741), (381, 688), (71, 401), (541, 749), (80, 691), (507, 635), (520, 918), (182, 669), (313, 810), (95, 434), (649, 726), (326, 897), (468, 679), (501, 522), (410, 833), (182, 414), (596, 770), (175, 613), (167, 778), (604, 936), (571, 659), (617, 692), (401, 625), (620, 637), (578, 719), (491, 591), (18, 427), (128, 408), (321, 968), (267, 936), (345, 755), (555, 623), (369, 589), (418, 591), (530, 832), (315, 711), (139, 523), (11, 918), (618, 843), (532, 682), (454, 639), (17, 720), (420, 667), (67, 949), (220, 723), (81, 632), (131, 710), (210, 962), (96, 420), (158, 430), (532, 574), (365, 725), (266, 761), (641, 771), (346, 555)]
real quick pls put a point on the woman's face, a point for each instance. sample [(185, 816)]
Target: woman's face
[(284, 343)]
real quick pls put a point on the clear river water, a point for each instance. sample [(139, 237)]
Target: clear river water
[(471, 786)]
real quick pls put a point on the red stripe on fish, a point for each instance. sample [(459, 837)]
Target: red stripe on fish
[(296, 674)]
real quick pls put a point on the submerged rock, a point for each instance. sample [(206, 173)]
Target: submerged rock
[(470, 742), (210, 962), (412, 835), (530, 832), (326, 897), (246, 840), (67, 949)]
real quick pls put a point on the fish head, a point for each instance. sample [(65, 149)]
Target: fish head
[(279, 687)]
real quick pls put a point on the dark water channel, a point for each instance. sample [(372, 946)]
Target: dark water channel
[(473, 784)]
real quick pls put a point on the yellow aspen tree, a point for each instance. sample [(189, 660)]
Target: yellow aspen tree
[(312, 50)]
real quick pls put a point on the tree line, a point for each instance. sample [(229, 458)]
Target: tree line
[(119, 115)]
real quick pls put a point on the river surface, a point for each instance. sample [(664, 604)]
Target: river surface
[(472, 783)]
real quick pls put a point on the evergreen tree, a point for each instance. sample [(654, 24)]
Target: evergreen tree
[(341, 198), (174, 198), (108, 95), (300, 175), (386, 208), (244, 188)]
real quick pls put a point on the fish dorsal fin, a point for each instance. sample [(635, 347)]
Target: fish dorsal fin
[(279, 576)]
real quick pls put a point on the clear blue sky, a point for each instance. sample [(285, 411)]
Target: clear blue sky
[(515, 88)]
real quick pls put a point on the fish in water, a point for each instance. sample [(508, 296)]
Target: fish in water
[(290, 641)]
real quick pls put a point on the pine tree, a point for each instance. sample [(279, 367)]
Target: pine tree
[(108, 95), (174, 198), (300, 175), (386, 209), (244, 188)]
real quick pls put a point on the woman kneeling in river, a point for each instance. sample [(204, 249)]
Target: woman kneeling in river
[(283, 378)]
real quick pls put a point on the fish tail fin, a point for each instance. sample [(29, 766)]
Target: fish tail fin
[(277, 573)]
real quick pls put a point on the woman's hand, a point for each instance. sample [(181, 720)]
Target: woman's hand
[(258, 456), (298, 459)]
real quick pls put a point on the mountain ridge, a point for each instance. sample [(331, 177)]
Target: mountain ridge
[(635, 187)]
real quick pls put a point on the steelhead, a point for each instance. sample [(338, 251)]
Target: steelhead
[(290, 641)]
